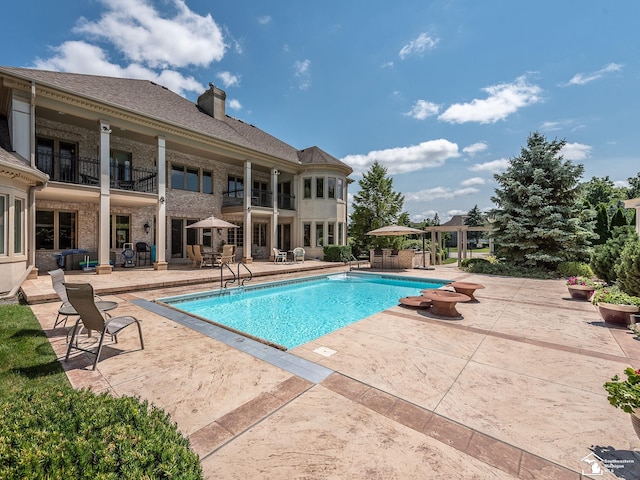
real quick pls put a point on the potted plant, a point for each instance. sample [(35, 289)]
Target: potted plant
[(581, 287), (615, 306), (625, 394)]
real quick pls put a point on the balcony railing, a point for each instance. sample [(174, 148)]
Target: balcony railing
[(259, 198), (86, 171)]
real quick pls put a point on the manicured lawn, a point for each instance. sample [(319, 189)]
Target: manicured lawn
[(26, 357)]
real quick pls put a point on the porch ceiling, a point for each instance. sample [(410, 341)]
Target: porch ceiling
[(82, 194)]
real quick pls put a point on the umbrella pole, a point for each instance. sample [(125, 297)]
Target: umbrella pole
[(424, 265)]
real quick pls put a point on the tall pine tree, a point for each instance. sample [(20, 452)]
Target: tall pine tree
[(375, 205), (537, 222)]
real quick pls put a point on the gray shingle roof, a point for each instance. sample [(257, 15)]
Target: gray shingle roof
[(317, 156), (147, 98)]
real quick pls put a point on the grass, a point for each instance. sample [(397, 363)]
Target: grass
[(26, 357)]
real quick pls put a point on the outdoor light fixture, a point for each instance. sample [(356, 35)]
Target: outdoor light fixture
[(162, 199), (147, 227)]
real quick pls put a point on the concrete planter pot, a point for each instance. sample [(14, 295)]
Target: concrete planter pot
[(635, 421), (618, 314), (580, 292)]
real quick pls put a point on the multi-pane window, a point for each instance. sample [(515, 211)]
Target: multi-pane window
[(59, 163), (340, 230), (259, 234), (235, 186), (56, 230), (320, 187), (120, 230), (331, 232), (188, 178), (340, 189), (207, 181), (18, 226), (331, 188), (307, 187), (185, 178), (319, 234), (306, 234), (3, 224)]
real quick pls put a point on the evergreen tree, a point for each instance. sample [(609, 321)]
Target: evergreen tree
[(619, 218), (537, 222), (374, 206), (602, 225), (602, 190), (475, 218)]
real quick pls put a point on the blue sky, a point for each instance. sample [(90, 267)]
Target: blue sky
[(442, 93)]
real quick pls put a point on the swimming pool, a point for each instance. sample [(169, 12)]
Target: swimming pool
[(294, 312)]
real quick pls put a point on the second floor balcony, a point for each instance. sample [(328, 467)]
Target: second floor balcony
[(259, 198), (86, 171)]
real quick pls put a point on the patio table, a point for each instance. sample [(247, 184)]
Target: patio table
[(444, 302), (467, 288)]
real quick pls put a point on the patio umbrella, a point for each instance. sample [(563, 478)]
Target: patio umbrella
[(212, 222), (395, 230)]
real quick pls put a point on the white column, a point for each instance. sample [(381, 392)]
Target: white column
[(105, 200), (161, 206), (274, 216), (246, 256)]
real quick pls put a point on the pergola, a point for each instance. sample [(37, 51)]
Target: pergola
[(462, 231)]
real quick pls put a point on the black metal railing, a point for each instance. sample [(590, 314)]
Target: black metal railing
[(86, 171), (259, 198)]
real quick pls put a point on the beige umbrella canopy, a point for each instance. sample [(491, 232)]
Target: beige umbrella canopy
[(212, 222), (394, 230)]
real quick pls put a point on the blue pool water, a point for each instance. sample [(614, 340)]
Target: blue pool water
[(295, 312)]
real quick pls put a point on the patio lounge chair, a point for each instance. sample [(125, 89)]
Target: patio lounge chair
[(279, 256), (80, 296), (190, 254), (200, 259), (298, 254)]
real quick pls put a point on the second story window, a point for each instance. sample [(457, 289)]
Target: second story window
[(320, 187), (236, 186), (307, 188), (340, 189), (58, 159), (120, 167), (185, 178), (207, 182), (331, 188)]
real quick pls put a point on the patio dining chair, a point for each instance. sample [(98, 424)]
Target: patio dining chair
[(279, 256), (298, 254), (190, 254), (80, 296), (200, 259)]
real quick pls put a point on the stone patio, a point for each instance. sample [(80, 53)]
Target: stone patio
[(512, 390)]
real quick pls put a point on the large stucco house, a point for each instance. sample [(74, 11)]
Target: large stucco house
[(91, 163)]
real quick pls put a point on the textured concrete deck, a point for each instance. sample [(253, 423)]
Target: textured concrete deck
[(512, 390)]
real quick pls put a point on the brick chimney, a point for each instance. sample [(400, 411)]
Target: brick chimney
[(212, 102)]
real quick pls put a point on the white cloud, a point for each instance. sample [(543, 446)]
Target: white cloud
[(303, 74), (423, 42), (575, 151), (430, 194), (495, 166), (264, 20), (228, 79), (423, 109), (582, 78), (387, 65), (475, 148), (77, 56), (428, 154), (473, 181), (139, 31), (503, 100), (234, 104)]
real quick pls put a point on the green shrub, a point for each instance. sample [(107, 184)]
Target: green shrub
[(575, 269), (506, 269), (65, 433), (615, 296), (628, 269), (471, 261), (337, 253), (606, 257)]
